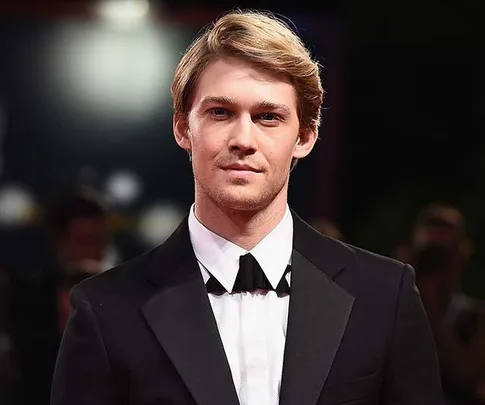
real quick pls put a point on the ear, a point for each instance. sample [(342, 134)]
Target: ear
[(305, 143), (181, 131)]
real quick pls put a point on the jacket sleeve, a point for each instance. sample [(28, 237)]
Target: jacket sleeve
[(82, 374), (412, 376)]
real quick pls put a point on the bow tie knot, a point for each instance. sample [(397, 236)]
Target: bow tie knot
[(250, 277)]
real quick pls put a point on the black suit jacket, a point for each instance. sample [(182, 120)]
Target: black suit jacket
[(144, 332)]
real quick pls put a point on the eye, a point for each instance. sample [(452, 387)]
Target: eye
[(219, 112), (269, 117)]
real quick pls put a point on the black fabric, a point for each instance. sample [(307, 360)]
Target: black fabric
[(145, 332), (250, 277)]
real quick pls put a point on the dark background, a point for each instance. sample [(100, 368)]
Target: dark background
[(403, 123)]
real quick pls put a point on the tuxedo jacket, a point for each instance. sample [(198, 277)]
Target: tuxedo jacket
[(144, 332)]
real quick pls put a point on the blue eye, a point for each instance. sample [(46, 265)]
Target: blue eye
[(219, 112), (270, 117)]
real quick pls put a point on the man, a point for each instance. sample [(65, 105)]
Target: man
[(79, 231), (77, 240), (440, 250), (305, 320)]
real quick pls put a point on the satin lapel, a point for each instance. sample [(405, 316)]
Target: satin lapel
[(318, 314), (181, 318)]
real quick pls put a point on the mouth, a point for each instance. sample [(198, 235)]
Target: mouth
[(237, 167)]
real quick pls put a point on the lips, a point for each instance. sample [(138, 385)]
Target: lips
[(241, 167)]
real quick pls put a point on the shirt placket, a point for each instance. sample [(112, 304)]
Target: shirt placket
[(255, 353)]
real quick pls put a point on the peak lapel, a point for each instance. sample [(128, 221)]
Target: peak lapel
[(181, 317), (318, 315)]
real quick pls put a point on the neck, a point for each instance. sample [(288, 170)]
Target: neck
[(245, 228)]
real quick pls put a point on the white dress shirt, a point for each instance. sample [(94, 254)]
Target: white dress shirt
[(252, 326)]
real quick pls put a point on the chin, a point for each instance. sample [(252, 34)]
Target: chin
[(242, 199)]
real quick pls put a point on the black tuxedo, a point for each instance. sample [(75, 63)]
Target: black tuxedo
[(144, 332)]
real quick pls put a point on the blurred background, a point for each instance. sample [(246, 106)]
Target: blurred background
[(90, 175)]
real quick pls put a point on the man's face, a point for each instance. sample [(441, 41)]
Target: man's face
[(243, 132), (440, 247), (84, 239)]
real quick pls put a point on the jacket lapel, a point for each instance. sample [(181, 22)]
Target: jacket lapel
[(181, 318), (318, 314)]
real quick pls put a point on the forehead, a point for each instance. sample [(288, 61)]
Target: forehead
[(243, 82), (444, 235)]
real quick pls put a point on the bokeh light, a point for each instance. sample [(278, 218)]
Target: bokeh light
[(17, 205), (158, 221)]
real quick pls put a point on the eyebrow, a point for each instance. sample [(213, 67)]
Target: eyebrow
[(268, 105)]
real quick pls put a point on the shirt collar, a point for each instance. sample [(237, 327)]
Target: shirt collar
[(220, 257)]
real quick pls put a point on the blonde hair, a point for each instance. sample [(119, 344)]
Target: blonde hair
[(262, 40)]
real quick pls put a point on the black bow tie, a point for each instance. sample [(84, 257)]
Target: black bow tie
[(250, 277)]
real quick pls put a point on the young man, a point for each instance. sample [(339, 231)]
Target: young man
[(245, 303)]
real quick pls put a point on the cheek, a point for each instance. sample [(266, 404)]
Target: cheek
[(280, 156), (203, 154), (208, 147), (203, 158)]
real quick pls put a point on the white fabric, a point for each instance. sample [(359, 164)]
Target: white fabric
[(252, 326)]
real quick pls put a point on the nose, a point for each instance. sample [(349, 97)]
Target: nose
[(242, 135)]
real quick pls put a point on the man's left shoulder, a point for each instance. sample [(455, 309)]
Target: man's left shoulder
[(368, 274), (322, 249), (368, 259)]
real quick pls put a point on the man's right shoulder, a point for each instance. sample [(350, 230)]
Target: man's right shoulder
[(116, 281), (134, 278)]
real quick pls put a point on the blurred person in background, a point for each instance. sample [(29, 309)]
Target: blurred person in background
[(79, 230), (206, 317), (439, 250), (78, 236)]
